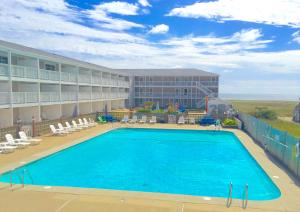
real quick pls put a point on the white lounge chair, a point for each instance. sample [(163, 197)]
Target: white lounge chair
[(92, 121), (76, 126), (25, 138), (192, 121), (133, 120), (56, 131), (15, 142), (85, 121), (69, 128), (181, 120), (152, 120), (6, 148), (82, 124), (61, 128), (125, 119), (143, 120)]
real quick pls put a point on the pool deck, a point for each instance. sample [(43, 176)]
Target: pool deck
[(38, 198)]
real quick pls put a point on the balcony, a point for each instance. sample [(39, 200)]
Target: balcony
[(168, 95), (97, 95), (4, 70), (25, 97), (4, 98), (68, 96), (96, 80), (49, 75), (106, 81), (49, 97), (68, 77), (84, 79), (84, 95), (24, 72)]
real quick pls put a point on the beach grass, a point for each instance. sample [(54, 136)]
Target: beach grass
[(282, 109)]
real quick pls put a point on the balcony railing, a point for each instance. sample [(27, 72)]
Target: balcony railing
[(4, 98), (174, 83), (68, 77), (25, 97), (3, 69), (106, 81), (49, 75), (84, 79), (49, 97), (24, 71), (97, 95), (168, 95), (68, 96), (84, 95), (96, 80)]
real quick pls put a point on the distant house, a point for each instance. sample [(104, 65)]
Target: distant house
[(296, 117)]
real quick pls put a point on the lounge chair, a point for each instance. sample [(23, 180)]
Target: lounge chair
[(61, 128), (152, 120), (181, 120), (85, 121), (56, 131), (69, 128), (76, 126), (133, 120), (6, 148), (81, 123), (101, 120), (15, 142), (192, 121), (25, 138), (125, 119), (92, 121), (143, 120)]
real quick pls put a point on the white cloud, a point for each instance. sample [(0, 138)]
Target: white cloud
[(296, 36), (144, 3), (275, 12), (118, 7), (159, 29), (57, 29)]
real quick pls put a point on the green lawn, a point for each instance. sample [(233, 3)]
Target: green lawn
[(282, 109)]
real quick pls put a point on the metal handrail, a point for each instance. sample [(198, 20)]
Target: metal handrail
[(229, 198), (23, 176), (245, 197), (11, 177)]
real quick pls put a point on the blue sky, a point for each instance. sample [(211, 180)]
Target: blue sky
[(253, 44)]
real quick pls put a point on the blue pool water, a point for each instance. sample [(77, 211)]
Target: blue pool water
[(155, 160)]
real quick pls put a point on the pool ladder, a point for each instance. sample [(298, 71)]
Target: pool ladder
[(229, 197), (245, 196), (20, 176)]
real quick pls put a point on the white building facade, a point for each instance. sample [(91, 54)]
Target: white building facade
[(184, 87), (46, 86)]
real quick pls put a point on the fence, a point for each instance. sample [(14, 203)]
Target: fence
[(278, 143)]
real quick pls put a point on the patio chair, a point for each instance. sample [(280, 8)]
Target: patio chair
[(143, 120), (15, 142), (100, 120), (85, 121), (181, 120), (25, 138), (125, 119), (133, 120), (192, 120), (152, 120), (69, 128), (56, 131), (76, 126), (81, 123), (61, 128)]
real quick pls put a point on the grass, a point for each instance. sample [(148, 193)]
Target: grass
[(291, 128), (282, 109)]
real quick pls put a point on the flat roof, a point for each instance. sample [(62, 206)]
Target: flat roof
[(53, 56), (168, 72)]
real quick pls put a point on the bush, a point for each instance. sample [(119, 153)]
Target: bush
[(264, 113), (230, 122), (142, 110), (158, 111)]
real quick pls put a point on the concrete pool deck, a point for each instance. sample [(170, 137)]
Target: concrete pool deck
[(38, 198)]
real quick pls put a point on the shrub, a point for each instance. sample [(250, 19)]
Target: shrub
[(230, 122), (265, 113), (142, 110), (158, 111)]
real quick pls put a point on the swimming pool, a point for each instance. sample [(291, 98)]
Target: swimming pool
[(188, 162)]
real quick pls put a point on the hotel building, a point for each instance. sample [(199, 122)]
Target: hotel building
[(185, 87), (47, 86)]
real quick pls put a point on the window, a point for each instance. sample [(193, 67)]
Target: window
[(3, 60), (50, 67), (185, 91)]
